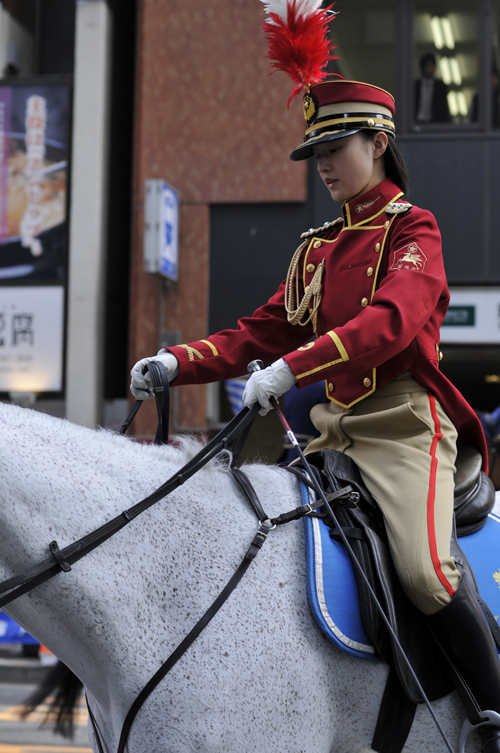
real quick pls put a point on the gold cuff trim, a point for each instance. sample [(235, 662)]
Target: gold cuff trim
[(338, 342), (211, 346), (192, 352), (318, 368)]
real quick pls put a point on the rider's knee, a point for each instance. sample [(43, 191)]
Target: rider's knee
[(431, 593)]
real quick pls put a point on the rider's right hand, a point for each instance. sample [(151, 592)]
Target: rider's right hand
[(141, 386)]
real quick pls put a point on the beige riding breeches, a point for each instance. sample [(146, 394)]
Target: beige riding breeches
[(404, 445)]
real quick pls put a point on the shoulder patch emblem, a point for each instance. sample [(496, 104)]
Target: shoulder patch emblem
[(409, 257), (398, 207), (317, 231), (306, 346)]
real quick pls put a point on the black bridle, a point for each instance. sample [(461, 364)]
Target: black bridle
[(234, 433), (231, 438), (62, 559)]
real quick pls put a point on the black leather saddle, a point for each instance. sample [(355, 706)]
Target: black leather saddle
[(474, 491), (361, 520)]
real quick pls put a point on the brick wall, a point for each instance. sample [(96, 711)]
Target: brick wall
[(212, 122)]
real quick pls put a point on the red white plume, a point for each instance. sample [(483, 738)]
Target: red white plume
[(297, 40)]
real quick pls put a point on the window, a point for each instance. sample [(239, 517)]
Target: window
[(364, 39), (445, 62), (494, 113)]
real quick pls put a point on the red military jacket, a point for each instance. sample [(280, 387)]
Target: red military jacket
[(384, 296)]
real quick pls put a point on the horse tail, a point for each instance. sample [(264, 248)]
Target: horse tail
[(65, 687)]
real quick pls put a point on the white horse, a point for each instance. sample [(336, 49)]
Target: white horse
[(261, 678)]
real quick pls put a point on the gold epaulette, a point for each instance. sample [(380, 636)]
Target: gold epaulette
[(317, 231), (398, 207)]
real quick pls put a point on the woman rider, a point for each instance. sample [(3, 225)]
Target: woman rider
[(361, 308)]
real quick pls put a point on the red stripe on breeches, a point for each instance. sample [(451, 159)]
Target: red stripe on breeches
[(431, 499), (405, 448)]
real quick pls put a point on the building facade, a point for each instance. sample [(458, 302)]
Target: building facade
[(177, 92)]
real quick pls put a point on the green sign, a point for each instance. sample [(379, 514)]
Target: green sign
[(460, 316)]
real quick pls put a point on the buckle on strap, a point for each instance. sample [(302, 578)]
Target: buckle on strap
[(56, 552), (490, 718), (264, 528)]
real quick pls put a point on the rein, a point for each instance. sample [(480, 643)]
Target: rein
[(235, 431), (62, 559)]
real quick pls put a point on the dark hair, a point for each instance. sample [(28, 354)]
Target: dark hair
[(395, 167), (429, 57)]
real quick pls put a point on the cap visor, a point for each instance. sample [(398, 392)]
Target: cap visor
[(305, 150)]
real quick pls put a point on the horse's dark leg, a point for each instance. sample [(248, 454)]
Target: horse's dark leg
[(463, 633), (66, 687)]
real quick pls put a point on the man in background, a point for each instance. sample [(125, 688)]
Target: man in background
[(431, 94)]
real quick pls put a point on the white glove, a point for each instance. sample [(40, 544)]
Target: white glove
[(141, 385), (270, 382)]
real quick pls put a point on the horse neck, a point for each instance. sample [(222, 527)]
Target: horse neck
[(134, 595)]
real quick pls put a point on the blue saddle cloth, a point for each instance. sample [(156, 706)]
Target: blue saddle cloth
[(333, 592)]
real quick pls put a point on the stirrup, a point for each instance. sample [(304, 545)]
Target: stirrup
[(491, 719)]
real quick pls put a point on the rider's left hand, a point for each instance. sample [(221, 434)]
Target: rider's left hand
[(141, 385), (270, 382)]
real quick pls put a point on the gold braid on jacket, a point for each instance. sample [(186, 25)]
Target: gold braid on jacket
[(313, 290)]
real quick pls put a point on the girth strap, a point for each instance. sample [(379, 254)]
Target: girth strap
[(395, 717)]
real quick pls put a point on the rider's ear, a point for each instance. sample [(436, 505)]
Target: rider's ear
[(380, 144)]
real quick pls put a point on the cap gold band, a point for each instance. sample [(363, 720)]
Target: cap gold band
[(371, 122)]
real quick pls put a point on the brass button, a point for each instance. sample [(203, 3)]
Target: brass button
[(310, 268), (440, 356), (367, 382), (370, 122), (377, 247), (317, 244), (386, 224), (331, 387), (369, 271), (364, 302)]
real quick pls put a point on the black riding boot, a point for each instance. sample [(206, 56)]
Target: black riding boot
[(463, 633)]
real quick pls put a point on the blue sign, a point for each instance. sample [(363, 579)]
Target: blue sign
[(11, 632), (169, 222)]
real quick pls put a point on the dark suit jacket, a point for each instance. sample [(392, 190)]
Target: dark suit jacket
[(439, 109)]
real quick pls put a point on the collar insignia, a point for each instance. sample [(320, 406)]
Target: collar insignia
[(361, 207)]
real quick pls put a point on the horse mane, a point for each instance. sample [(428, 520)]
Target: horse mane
[(60, 683), (55, 445), (49, 431)]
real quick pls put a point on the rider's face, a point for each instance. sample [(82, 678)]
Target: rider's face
[(352, 165)]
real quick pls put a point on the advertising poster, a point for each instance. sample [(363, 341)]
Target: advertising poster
[(31, 338), (35, 127), (34, 153)]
